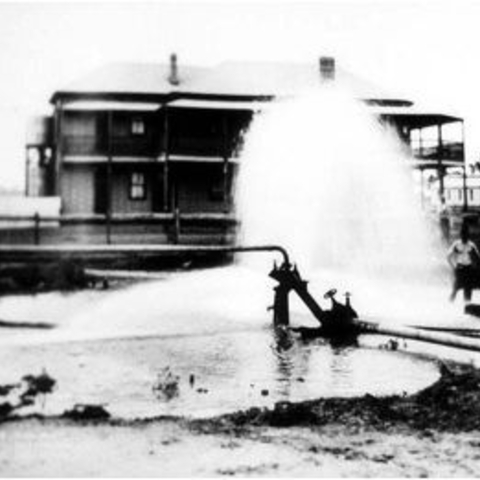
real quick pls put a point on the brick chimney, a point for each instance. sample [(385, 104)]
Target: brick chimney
[(173, 78), (327, 68)]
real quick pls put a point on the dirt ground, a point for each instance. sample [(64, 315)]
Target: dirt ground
[(433, 433), (167, 449)]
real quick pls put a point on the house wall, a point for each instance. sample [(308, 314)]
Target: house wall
[(121, 203), (86, 133), (77, 187), (127, 143), (83, 133), (204, 132), (198, 188), (194, 186)]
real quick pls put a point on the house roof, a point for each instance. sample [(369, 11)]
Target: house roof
[(131, 78), (417, 116), (259, 79), (251, 80)]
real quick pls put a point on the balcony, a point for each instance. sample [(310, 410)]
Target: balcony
[(197, 146), (83, 145), (146, 146), (90, 145), (432, 150)]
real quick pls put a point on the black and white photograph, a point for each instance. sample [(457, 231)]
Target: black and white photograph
[(240, 239)]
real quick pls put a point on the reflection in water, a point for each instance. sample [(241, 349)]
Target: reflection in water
[(231, 371), (293, 363), (283, 353), (341, 368), (292, 368)]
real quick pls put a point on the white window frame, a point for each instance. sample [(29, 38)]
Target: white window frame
[(138, 126), (137, 187)]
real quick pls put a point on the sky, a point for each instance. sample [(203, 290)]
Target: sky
[(427, 50)]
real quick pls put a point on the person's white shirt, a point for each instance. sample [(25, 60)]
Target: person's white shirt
[(461, 253)]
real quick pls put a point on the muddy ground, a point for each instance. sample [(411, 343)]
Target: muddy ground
[(432, 433)]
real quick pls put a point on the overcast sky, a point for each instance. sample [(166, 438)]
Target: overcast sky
[(429, 50)]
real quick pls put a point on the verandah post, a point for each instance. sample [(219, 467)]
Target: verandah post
[(108, 211), (225, 152), (166, 172), (464, 176), (441, 171)]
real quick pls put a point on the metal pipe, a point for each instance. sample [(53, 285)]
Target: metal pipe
[(445, 339), (302, 291), (253, 248), (79, 250)]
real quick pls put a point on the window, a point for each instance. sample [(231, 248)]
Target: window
[(138, 190), (138, 126)]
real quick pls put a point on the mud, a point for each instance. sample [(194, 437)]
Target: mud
[(38, 277), (452, 404), (431, 433)]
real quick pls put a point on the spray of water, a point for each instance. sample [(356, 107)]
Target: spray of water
[(321, 176)]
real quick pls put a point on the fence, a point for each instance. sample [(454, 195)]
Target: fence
[(95, 228)]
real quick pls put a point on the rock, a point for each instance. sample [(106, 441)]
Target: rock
[(36, 385), (87, 412), (6, 409), (6, 389), (286, 414)]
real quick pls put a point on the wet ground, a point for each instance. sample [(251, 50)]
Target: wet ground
[(210, 374), (244, 403), (207, 333), (432, 433)]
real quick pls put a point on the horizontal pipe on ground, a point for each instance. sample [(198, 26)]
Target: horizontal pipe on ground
[(445, 339), (466, 332)]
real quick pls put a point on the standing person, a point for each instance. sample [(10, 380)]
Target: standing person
[(462, 256)]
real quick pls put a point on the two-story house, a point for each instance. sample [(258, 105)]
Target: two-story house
[(138, 140)]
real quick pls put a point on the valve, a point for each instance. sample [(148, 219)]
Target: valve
[(347, 296), (330, 294)]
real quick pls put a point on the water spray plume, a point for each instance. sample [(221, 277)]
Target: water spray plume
[(320, 176)]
